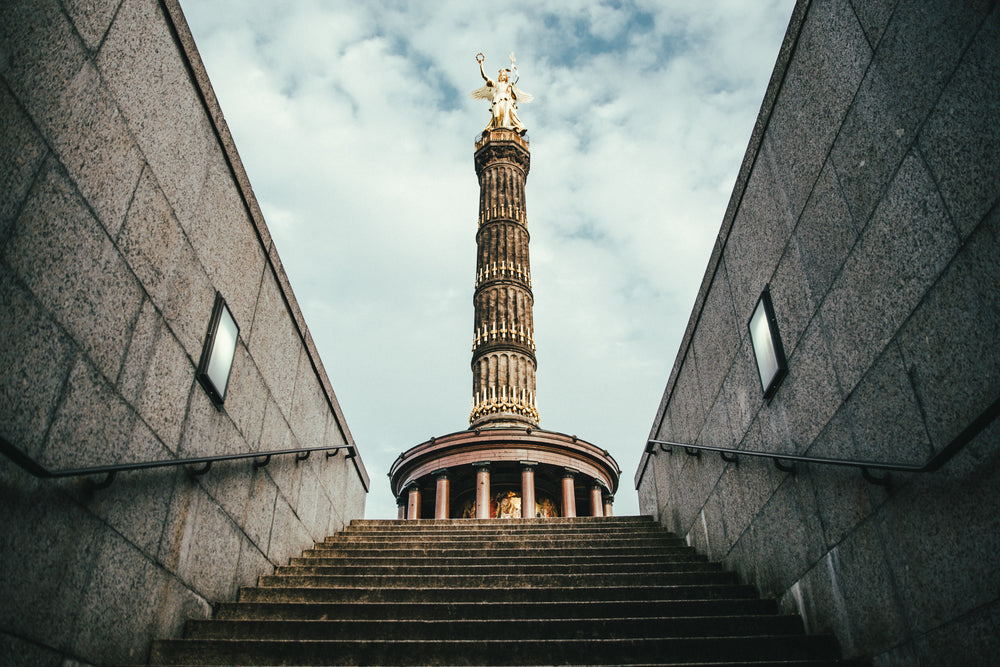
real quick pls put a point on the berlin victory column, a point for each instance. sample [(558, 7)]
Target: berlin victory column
[(503, 466)]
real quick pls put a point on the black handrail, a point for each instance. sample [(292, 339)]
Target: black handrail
[(110, 471), (731, 455)]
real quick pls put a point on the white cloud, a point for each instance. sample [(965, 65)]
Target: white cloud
[(354, 123)]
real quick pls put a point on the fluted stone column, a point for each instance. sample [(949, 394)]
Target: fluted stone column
[(528, 489), (503, 347), (443, 496), (569, 493), (609, 501), (596, 500), (482, 489), (413, 505)]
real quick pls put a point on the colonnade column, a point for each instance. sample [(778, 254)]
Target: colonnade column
[(482, 489), (413, 506), (528, 489), (596, 499), (608, 502), (400, 507), (442, 498), (569, 493)]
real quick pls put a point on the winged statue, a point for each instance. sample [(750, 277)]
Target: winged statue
[(503, 96)]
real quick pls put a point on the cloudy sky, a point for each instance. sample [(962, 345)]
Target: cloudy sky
[(355, 125)]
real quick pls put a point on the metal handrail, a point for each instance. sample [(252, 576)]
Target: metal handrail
[(110, 471), (731, 454)]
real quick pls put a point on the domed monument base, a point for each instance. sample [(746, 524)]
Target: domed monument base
[(504, 473)]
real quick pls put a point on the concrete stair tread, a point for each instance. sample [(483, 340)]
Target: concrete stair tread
[(639, 650), (495, 579), (486, 594), (476, 569), (497, 610), (488, 628), (430, 561)]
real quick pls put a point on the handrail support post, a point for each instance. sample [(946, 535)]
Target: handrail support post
[(109, 477), (730, 458), (870, 477), (198, 472), (784, 467)]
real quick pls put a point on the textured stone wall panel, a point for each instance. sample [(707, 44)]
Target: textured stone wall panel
[(123, 210), (868, 203)]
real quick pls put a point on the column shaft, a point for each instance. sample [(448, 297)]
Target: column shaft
[(483, 492), (596, 500), (441, 500), (413, 509), (568, 495), (527, 490)]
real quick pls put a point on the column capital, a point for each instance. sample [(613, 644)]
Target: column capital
[(570, 472), (440, 472), (528, 464), (479, 465), (609, 498)]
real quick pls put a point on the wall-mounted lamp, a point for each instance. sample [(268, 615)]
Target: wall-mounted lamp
[(217, 354), (767, 348)]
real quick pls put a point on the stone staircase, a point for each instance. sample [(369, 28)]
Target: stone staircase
[(594, 591)]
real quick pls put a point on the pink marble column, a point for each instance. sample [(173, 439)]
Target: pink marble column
[(442, 498), (596, 500), (608, 502), (482, 489), (569, 493), (413, 509), (528, 489)]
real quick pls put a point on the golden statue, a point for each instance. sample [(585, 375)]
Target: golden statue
[(503, 95)]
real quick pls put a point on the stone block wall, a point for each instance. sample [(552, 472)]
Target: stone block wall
[(868, 203), (123, 209)]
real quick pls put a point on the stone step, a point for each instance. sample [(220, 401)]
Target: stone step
[(536, 543), (487, 595), (475, 569), (495, 579), (375, 533), (629, 651), (434, 551), (486, 628), (579, 609), (501, 561), (637, 520)]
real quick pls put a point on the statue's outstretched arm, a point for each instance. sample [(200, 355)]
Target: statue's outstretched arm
[(482, 72)]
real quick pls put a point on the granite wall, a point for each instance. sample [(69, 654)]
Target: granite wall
[(868, 202), (123, 209)]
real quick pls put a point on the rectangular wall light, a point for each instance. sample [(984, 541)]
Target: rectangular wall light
[(218, 352), (767, 348)]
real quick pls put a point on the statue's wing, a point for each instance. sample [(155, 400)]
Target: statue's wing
[(484, 93), (521, 96)]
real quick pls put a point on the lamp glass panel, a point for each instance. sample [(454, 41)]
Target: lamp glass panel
[(763, 346), (223, 348)]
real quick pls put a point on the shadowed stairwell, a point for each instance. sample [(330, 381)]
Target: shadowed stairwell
[(606, 591)]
